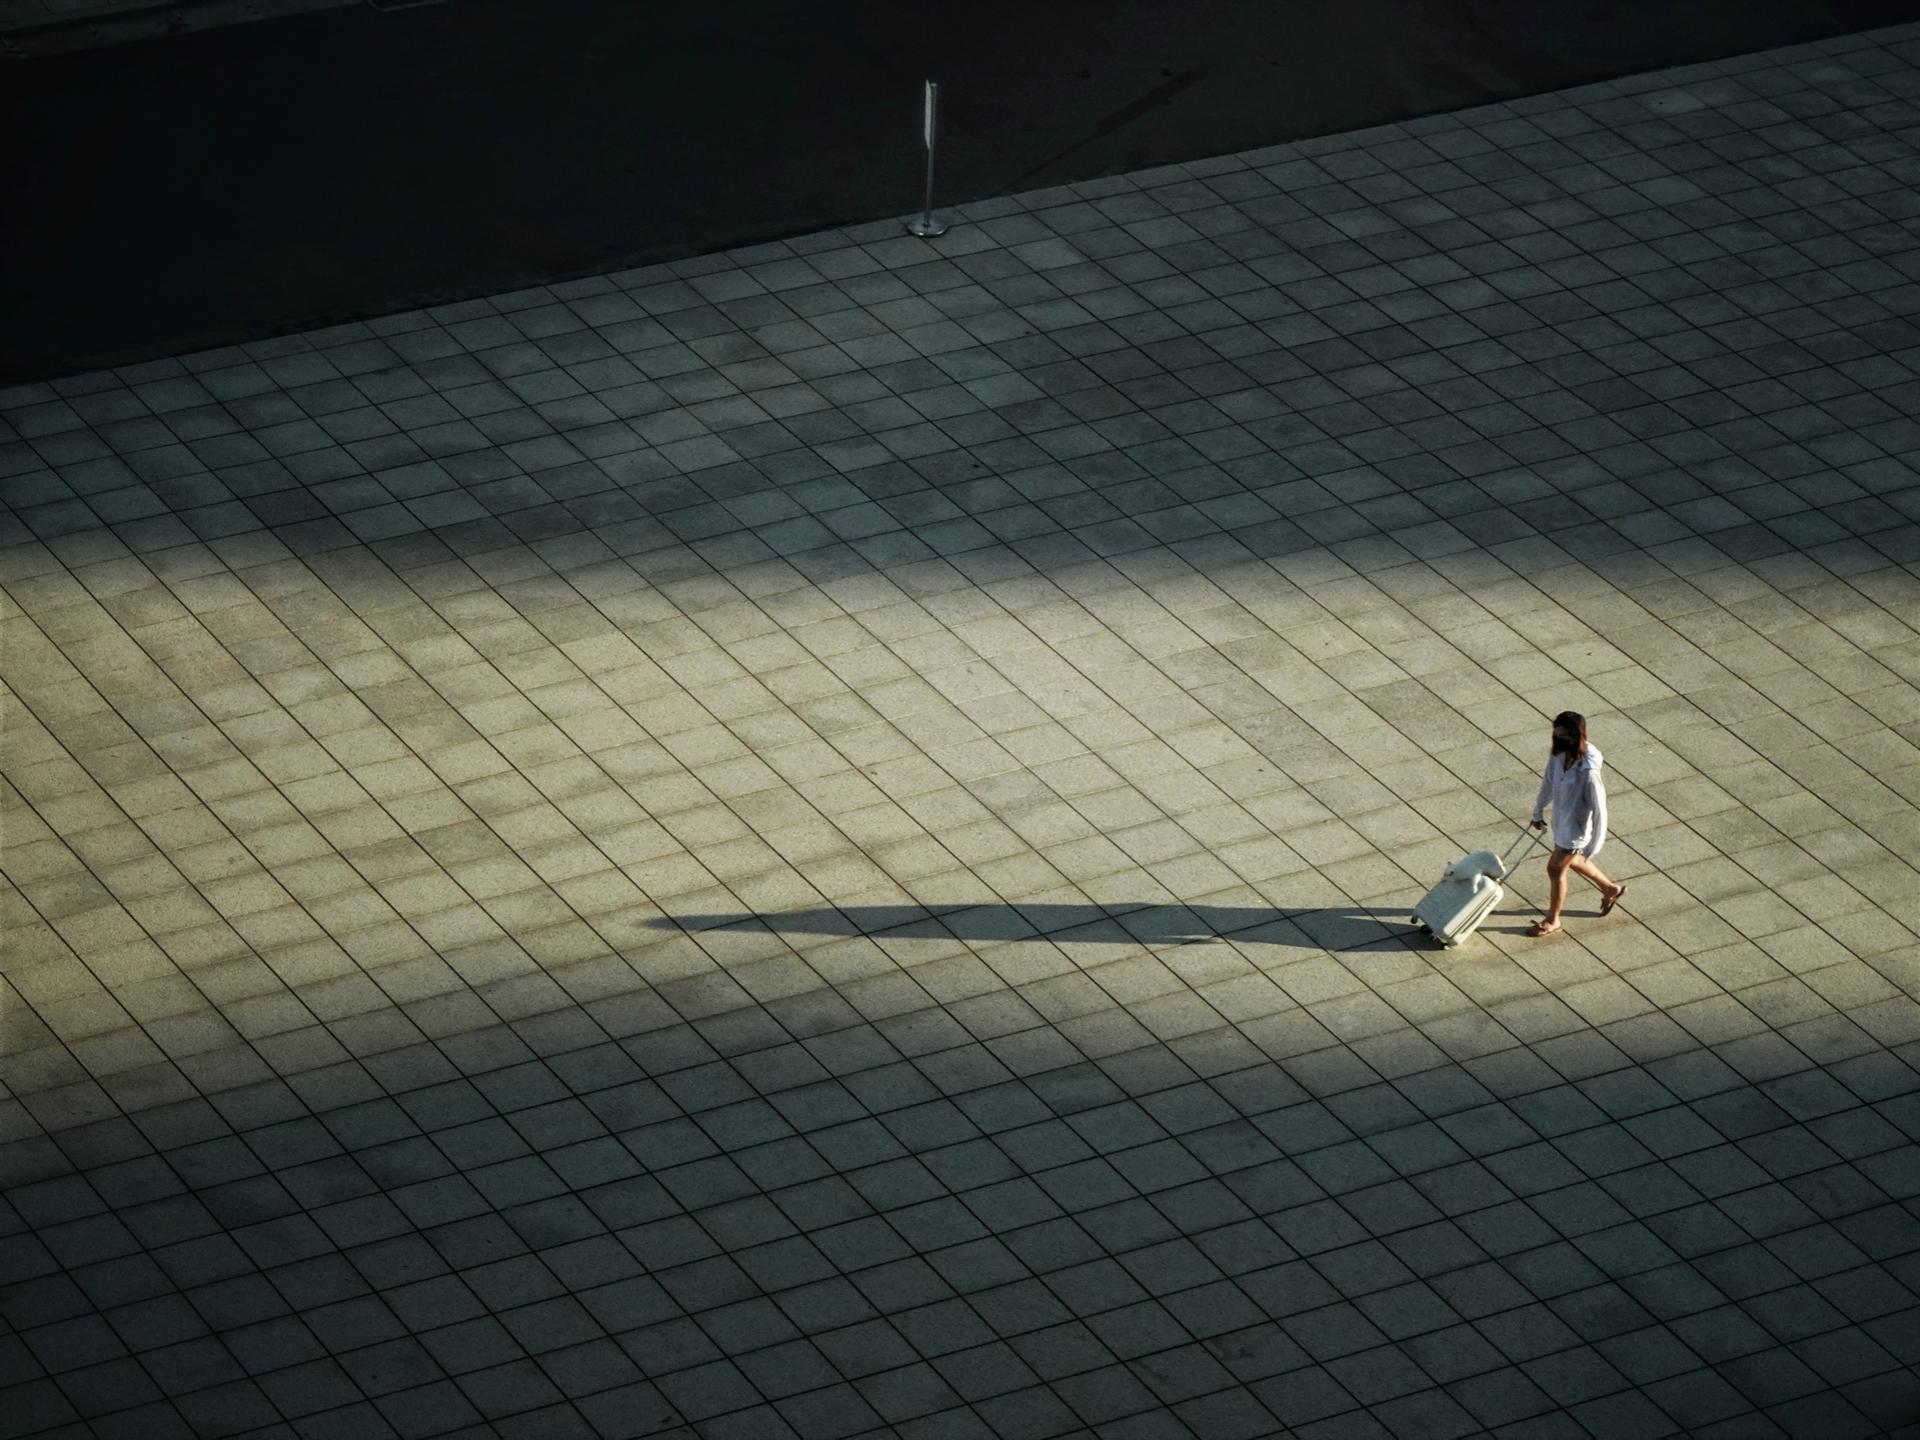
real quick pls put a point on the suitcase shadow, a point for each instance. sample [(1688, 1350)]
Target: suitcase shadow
[(1339, 927)]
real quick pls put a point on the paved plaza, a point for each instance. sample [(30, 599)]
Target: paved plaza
[(819, 841)]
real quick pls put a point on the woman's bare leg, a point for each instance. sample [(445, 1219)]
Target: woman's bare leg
[(1594, 874), (1557, 864)]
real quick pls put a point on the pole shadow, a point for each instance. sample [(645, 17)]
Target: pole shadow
[(1337, 927)]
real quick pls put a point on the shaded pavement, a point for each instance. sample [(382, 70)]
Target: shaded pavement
[(184, 193)]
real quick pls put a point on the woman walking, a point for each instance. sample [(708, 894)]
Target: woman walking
[(1572, 786)]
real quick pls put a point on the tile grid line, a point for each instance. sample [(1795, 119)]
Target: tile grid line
[(1302, 1153)]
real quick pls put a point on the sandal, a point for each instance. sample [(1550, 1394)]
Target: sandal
[(1606, 906), (1541, 928)]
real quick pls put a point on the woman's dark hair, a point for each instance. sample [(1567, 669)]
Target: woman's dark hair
[(1576, 722)]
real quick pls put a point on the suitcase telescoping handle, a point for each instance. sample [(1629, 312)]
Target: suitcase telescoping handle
[(1526, 833)]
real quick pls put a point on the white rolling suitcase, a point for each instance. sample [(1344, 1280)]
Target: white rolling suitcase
[(1466, 894)]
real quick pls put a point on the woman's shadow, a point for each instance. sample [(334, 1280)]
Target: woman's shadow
[(1338, 927)]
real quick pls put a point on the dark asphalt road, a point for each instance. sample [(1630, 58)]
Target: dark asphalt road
[(177, 194)]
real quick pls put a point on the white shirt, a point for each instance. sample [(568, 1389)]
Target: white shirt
[(1579, 800)]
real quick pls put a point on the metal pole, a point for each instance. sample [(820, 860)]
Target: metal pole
[(924, 224)]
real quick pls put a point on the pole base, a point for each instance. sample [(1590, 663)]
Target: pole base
[(926, 226)]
